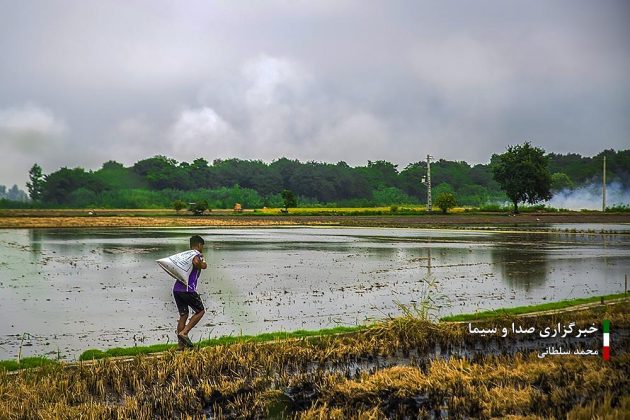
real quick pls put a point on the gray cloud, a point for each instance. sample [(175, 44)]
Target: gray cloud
[(322, 80), (27, 132), (30, 120)]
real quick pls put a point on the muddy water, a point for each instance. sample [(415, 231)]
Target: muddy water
[(71, 290)]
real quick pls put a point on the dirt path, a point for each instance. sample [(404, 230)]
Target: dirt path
[(136, 219)]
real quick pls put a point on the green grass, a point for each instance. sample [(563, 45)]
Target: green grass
[(132, 351), (519, 310), (25, 363), (93, 354)]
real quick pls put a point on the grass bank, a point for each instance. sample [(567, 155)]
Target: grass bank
[(520, 310), (25, 363), (94, 354)]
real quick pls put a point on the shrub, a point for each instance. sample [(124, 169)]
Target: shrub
[(445, 201), (179, 205)]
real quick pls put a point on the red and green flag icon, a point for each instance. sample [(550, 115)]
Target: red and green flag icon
[(606, 348)]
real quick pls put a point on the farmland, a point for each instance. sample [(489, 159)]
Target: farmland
[(395, 366), (403, 366), (368, 217)]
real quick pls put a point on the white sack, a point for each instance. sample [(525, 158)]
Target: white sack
[(179, 266)]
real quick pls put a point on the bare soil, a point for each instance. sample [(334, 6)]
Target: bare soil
[(166, 218)]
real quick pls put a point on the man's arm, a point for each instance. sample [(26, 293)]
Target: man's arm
[(199, 263)]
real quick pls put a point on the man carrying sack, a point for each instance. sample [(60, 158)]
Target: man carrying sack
[(186, 268)]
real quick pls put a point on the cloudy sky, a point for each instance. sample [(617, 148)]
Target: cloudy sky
[(83, 82)]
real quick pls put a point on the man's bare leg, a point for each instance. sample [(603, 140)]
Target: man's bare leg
[(181, 323), (191, 323)]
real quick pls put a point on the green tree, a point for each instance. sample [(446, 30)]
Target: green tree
[(560, 181), (59, 185), (409, 179), (445, 201), (36, 183), (455, 174), (112, 165), (380, 174), (472, 194), (391, 195), (82, 197), (162, 173), (289, 199), (443, 187), (13, 194), (114, 176), (199, 207), (179, 205), (522, 173)]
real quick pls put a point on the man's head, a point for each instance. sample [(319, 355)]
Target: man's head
[(196, 242)]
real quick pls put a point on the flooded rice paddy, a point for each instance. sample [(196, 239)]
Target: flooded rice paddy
[(71, 290)]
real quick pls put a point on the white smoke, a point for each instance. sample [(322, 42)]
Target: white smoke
[(590, 197)]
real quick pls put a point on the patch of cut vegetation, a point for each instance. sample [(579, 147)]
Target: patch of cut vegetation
[(386, 371)]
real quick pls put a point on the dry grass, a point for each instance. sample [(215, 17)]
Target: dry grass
[(317, 378)]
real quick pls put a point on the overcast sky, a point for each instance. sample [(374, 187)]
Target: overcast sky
[(83, 82)]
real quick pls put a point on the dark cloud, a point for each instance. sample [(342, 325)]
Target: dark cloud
[(84, 82)]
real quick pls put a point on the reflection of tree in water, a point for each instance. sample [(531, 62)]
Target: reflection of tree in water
[(523, 264), (35, 236)]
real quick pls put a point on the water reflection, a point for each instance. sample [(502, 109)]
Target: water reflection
[(521, 268), (85, 285), (523, 260), (35, 237)]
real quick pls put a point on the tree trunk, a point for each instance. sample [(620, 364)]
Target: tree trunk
[(515, 207)]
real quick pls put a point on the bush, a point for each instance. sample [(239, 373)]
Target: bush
[(179, 205), (198, 208), (445, 201)]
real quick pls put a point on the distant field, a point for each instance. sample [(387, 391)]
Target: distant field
[(171, 212), (332, 210), (367, 217)]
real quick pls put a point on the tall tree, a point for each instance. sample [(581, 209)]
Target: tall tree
[(36, 183), (560, 181), (288, 198), (60, 185), (523, 174), (380, 174)]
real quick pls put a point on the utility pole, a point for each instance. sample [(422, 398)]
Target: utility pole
[(604, 187), (427, 181)]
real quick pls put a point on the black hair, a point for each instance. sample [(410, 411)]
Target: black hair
[(196, 239)]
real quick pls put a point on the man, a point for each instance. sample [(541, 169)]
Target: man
[(186, 296)]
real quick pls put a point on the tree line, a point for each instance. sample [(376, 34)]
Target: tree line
[(158, 181), (12, 194)]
